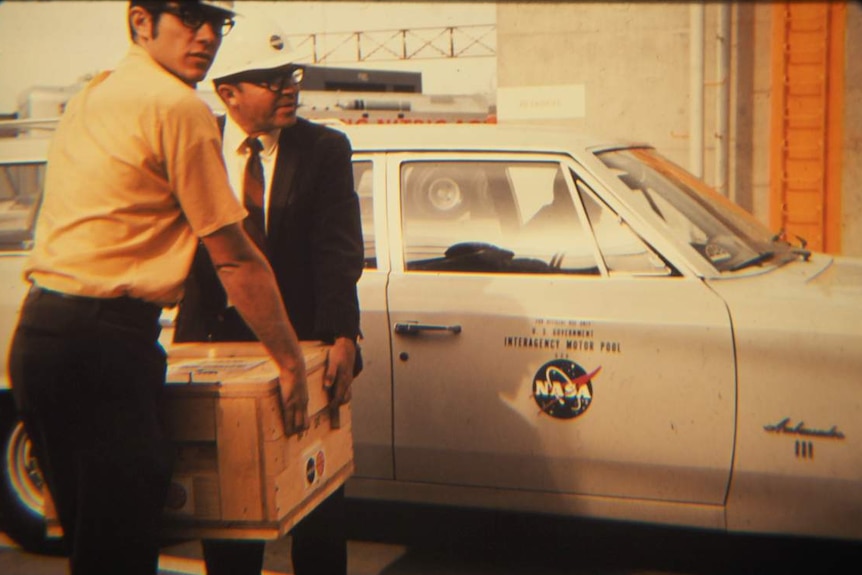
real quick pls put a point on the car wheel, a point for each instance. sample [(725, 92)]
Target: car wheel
[(21, 487)]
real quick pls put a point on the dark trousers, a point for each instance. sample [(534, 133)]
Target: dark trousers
[(318, 546), (87, 376)]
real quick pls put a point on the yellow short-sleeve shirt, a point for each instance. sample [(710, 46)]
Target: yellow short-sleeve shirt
[(135, 175)]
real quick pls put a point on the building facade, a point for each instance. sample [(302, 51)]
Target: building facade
[(764, 100)]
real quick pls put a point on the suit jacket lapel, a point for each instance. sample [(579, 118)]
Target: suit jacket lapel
[(282, 192)]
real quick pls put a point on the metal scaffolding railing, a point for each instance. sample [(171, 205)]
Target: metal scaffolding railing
[(471, 41)]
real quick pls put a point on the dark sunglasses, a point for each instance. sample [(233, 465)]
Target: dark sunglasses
[(277, 80), (194, 17)]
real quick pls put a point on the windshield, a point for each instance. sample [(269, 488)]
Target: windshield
[(663, 193)]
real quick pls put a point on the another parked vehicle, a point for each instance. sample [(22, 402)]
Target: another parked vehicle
[(565, 325)]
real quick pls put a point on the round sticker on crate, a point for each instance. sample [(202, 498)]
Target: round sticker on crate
[(177, 497), (315, 467)]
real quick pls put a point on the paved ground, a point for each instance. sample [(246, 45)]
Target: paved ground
[(397, 540), (365, 558)]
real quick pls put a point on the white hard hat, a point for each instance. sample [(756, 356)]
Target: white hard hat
[(252, 45), (224, 6)]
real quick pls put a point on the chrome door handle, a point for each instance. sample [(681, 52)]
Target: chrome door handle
[(411, 328)]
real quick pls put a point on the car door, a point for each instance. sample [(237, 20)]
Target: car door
[(20, 195), (372, 390), (539, 344)]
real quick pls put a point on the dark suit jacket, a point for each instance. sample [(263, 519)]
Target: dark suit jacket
[(314, 245)]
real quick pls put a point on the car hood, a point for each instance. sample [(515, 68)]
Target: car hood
[(843, 276), (822, 295), (822, 278)]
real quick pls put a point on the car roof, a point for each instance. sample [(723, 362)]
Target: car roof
[(470, 137), (32, 146), (24, 149)]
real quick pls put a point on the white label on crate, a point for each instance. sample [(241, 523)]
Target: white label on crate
[(314, 465), (201, 370)]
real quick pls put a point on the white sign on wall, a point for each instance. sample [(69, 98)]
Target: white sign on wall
[(541, 102)]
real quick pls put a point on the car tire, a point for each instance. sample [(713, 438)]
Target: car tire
[(21, 487)]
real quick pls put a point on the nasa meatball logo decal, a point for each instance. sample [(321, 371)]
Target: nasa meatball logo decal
[(563, 389)]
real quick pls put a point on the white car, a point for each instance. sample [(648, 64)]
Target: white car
[(559, 324)]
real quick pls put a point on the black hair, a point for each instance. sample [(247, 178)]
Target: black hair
[(154, 7)]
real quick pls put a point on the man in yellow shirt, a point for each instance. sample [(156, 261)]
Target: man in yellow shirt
[(135, 177)]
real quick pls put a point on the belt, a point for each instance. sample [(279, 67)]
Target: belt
[(123, 304)]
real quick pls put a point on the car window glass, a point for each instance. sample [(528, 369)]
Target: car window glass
[(363, 180), (622, 250), (20, 192), (684, 206), (484, 216)]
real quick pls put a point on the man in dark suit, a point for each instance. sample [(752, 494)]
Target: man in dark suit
[(308, 225)]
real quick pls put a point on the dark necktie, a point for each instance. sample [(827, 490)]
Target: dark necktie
[(255, 223)]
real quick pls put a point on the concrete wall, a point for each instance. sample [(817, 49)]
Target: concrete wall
[(634, 61), (750, 106), (626, 56), (851, 174)]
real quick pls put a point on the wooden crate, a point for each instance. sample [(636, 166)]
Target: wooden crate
[(236, 475)]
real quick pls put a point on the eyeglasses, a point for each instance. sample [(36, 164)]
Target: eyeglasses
[(194, 17), (277, 80)]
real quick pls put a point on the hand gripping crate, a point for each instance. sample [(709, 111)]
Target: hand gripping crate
[(236, 474)]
